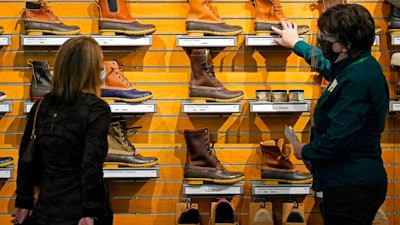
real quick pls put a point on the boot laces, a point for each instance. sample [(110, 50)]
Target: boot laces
[(212, 153), (212, 9), (126, 140), (210, 72), (120, 73), (277, 9), (49, 11)]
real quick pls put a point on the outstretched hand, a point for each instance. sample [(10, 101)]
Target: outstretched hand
[(19, 215), (288, 35)]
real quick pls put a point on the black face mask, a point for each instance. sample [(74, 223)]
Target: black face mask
[(327, 51)]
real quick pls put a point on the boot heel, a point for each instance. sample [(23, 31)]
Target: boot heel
[(34, 33)]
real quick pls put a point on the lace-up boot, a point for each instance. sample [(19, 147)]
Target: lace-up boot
[(394, 20), (116, 87), (121, 151), (41, 79), (203, 18), (201, 162), (115, 18), (395, 61), (269, 13), (203, 83), (39, 19), (277, 167), (6, 161)]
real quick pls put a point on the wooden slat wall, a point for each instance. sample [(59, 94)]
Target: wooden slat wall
[(164, 69)]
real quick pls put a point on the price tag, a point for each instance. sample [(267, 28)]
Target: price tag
[(5, 108), (217, 41), (211, 108)]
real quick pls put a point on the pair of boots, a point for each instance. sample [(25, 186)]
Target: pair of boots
[(114, 18)]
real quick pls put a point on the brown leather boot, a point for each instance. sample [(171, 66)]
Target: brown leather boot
[(276, 167), (395, 61), (203, 84), (203, 19), (121, 151), (39, 19), (115, 18), (201, 162), (117, 88), (269, 13), (41, 79)]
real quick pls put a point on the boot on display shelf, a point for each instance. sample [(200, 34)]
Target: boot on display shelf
[(115, 19), (277, 167), (395, 61), (394, 20), (1, 29), (39, 20), (203, 19), (121, 152), (41, 79), (3, 96), (270, 13), (203, 83), (202, 164), (6, 161), (117, 88)]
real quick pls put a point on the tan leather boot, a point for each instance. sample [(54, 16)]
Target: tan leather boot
[(269, 13), (117, 88), (41, 79), (115, 18), (121, 151), (202, 165), (39, 20), (203, 19), (203, 84), (277, 167)]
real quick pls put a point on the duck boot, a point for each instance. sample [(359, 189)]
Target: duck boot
[(121, 151), (276, 167), (203, 19), (39, 20), (201, 162), (6, 161), (117, 88), (203, 83), (3, 96), (115, 19), (269, 13), (1, 29), (394, 21), (41, 79), (395, 61)]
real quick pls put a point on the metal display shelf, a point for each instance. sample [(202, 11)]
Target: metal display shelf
[(6, 172), (118, 107), (213, 189), (394, 106), (211, 107), (5, 106), (5, 40), (258, 188), (270, 107), (129, 172), (205, 41), (258, 40), (117, 40)]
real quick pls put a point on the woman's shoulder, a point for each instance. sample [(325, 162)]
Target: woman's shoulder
[(92, 100)]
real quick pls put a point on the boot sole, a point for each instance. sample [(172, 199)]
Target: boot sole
[(216, 99), (128, 99), (276, 181), (199, 181), (270, 33), (6, 164), (394, 31), (127, 32), (203, 32), (131, 165), (41, 32)]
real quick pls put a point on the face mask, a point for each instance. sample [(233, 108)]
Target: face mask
[(327, 51), (103, 75)]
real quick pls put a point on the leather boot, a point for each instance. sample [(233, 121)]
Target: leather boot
[(203, 19), (121, 151), (394, 20), (1, 29), (41, 79), (395, 61), (201, 162), (115, 18), (269, 13), (203, 83), (39, 19), (116, 87), (275, 166), (6, 161)]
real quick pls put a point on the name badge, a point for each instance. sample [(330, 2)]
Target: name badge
[(333, 85)]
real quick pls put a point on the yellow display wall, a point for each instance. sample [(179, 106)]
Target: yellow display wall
[(164, 69)]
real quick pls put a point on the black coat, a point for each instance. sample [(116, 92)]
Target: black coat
[(72, 142)]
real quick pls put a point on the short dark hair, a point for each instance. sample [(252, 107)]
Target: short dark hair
[(351, 24)]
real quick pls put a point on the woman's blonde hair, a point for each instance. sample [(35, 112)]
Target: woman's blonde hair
[(76, 69)]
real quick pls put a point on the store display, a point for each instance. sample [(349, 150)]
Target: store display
[(203, 19), (277, 167), (39, 20), (3, 96), (278, 95), (1, 29), (41, 79), (117, 88), (6, 161), (224, 212), (263, 95), (121, 151), (203, 83), (270, 13), (296, 95), (115, 19), (202, 164)]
